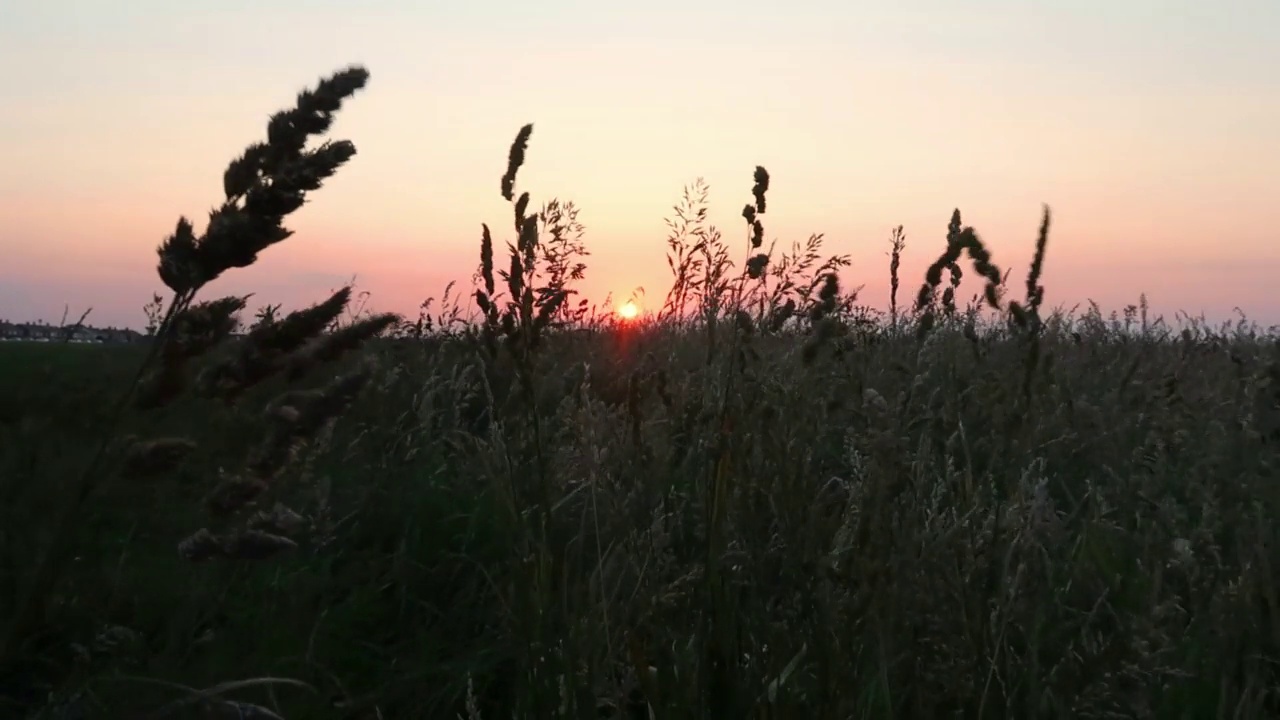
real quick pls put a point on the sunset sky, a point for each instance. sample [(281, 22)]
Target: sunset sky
[(1151, 127)]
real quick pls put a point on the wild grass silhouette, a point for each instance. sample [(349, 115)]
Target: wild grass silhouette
[(765, 500)]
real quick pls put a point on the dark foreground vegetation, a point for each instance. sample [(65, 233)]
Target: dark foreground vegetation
[(764, 501)]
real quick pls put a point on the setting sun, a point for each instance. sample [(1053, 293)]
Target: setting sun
[(628, 311)]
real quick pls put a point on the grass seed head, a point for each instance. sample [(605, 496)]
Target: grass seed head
[(233, 493), (760, 188), (202, 326), (266, 183), (280, 520), (147, 458), (298, 327), (515, 159), (178, 266), (200, 546), (332, 346), (255, 545)]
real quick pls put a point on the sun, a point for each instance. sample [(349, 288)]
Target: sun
[(628, 311)]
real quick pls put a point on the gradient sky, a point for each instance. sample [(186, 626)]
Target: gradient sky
[(1151, 127)]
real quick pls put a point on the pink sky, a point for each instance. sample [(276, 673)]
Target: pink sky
[(1151, 128)]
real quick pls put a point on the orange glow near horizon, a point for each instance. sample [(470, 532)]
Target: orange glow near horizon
[(1151, 136), (628, 311)]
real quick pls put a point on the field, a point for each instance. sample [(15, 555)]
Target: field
[(764, 501)]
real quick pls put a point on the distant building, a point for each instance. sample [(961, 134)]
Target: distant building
[(31, 332)]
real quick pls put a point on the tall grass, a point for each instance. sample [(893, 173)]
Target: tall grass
[(765, 500)]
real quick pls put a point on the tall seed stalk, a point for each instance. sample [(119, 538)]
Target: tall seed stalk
[(265, 184)]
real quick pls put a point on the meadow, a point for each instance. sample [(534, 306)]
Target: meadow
[(764, 499)]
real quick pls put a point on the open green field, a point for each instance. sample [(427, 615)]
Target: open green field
[(901, 532)]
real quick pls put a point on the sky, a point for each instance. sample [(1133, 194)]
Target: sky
[(1150, 127)]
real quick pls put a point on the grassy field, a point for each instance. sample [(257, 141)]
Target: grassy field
[(766, 501)]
